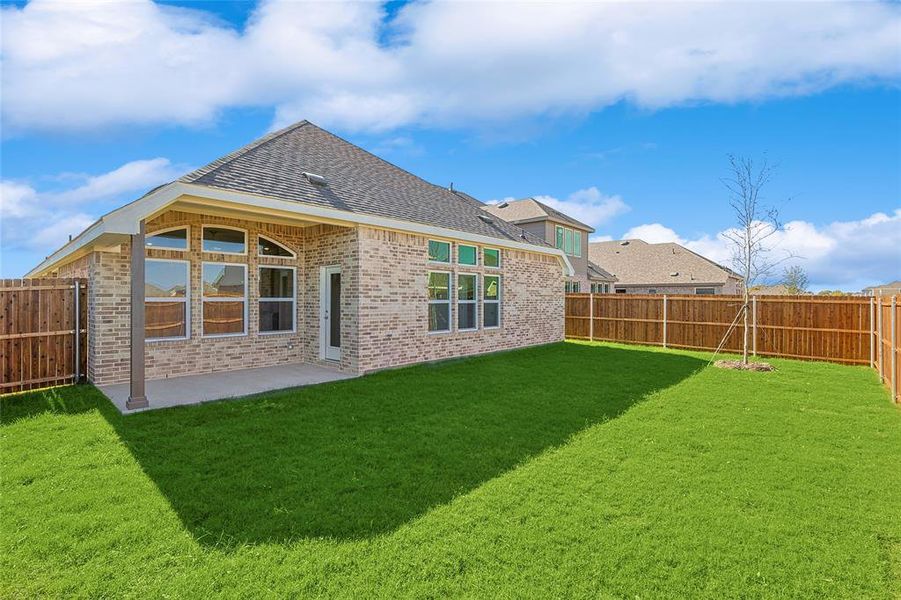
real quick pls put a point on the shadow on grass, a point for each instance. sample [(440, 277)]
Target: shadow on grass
[(357, 458)]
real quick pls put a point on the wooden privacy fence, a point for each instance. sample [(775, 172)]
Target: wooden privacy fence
[(888, 337), (39, 346), (837, 329)]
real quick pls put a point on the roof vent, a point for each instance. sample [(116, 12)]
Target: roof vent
[(503, 205), (624, 243), (314, 178), (674, 274), (486, 218)]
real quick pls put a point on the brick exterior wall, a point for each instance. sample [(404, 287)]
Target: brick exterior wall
[(384, 302), (394, 302)]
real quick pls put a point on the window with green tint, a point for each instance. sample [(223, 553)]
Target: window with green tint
[(439, 251), (491, 257), (466, 255), (577, 243), (559, 243), (568, 241)]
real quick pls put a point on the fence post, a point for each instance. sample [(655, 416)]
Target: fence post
[(77, 344), (664, 320), (591, 316), (894, 353), (879, 364), (754, 325), (872, 334)]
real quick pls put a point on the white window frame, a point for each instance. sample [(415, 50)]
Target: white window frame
[(186, 300), (204, 299), (500, 297), (203, 228), (278, 243), (293, 299), (475, 254), (474, 301), (450, 252), (449, 302), (187, 247), (499, 258)]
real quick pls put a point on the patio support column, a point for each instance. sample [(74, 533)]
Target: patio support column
[(137, 397)]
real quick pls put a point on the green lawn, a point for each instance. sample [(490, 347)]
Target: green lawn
[(566, 470)]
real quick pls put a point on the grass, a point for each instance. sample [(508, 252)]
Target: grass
[(566, 470)]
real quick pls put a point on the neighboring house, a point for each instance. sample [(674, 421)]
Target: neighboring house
[(887, 289), (302, 247), (643, 268), (562, 232)]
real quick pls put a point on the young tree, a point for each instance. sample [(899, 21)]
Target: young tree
[(795, 280), (756, 223)]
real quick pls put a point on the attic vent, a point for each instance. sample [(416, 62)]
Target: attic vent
[(624, 243), (674, 274), (486, 218), (503, 205), (315, 179)]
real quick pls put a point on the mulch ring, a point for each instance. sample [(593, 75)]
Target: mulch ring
[(739, 366)]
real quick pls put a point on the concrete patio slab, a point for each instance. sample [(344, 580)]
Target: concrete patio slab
[(194, 389)]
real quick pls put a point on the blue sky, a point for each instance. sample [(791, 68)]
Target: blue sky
[(638, 148)]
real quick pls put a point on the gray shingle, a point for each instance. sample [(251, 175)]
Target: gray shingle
[(530, 209), (357, 182)]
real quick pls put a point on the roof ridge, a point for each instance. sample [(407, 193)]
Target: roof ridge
[(220, 162)]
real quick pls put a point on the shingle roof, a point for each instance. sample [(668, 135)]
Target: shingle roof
[(530, 209), (357, 182), (596, 272), (635, 262)]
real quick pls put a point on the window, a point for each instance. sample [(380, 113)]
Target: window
[(268, 247), (491, 303), (224, 240), (600, 288), (620, 291), (439, 251), (439, 301), (466, 255), (573, 287), (168, 239), (652, 291), (708, 291), (277, 299), (166, 305), (224, 299), (466, 302), (568, 240), (491, 257)]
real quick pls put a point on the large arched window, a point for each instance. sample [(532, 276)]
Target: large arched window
[(269, 247)]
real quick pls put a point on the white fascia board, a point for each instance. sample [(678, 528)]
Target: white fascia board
[(126, 221)]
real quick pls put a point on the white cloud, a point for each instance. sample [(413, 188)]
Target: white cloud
[(840, 255), (588, 205), (87, 64), (37, 220)]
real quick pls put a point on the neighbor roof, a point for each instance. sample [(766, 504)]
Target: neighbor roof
[(356, 181), (885, 287), (596, 272), (636, 262), (529, 210)]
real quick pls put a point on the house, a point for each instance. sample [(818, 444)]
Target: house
[(887, 289), (562, 232), (301, 247), (778, 289), (667, 268)]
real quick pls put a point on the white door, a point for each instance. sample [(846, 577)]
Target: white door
[(330, 312)]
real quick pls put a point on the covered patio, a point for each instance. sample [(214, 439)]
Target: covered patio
[(207, 387)]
